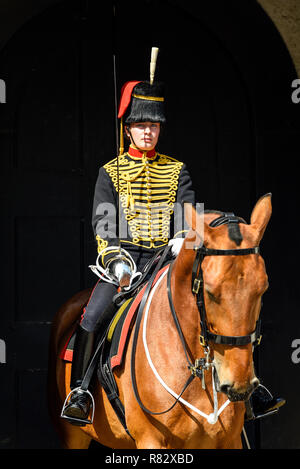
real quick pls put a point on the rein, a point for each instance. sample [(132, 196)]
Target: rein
[(135, 337)]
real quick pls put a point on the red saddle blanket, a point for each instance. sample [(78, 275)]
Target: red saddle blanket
[(118, 338)]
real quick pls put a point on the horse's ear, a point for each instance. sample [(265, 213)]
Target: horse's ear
[(261, 215)]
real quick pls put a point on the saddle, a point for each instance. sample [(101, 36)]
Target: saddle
[(111, 345)]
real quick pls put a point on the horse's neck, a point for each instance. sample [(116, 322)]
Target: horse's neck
[(184, 300)]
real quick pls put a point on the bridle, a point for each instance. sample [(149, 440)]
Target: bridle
[(198, 289), (201, 364)]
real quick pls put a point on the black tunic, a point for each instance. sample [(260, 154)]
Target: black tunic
[(152, 188), (152, 192)]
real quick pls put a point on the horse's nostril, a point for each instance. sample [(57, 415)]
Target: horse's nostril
[(238, 394), (255, 383), (225, 388)]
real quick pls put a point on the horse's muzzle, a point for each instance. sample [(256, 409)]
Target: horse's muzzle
[(235, 395)]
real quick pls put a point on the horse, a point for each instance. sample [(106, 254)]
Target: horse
[(225, 283)]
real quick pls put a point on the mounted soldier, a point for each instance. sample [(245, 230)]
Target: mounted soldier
[(136, 212)]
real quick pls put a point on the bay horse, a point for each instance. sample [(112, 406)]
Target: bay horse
[(233, 279)]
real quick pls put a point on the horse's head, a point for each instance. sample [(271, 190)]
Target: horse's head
[(233, 287)]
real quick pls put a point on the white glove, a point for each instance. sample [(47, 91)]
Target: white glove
[(176, 244), (121, 271)]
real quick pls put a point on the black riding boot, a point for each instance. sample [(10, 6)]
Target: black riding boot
[(79, 404), (262, 403)]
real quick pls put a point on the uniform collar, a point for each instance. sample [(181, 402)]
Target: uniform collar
[(136, 153)]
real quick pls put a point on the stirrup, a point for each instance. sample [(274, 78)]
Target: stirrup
[(252, 413), (250, 416), (74, 420)]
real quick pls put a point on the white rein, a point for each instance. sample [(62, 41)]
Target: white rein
[(211, 418)]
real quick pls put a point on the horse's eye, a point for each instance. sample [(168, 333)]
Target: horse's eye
[(211, 296)]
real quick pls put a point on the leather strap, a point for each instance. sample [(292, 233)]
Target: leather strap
[(174, 315), (123, 295), (135, 337), (228, 252), (226, 218), (235, 340), (198, 289)]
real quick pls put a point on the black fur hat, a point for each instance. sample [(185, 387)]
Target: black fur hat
[(147, 103)]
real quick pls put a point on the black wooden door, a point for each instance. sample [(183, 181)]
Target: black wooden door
[(58, 127)]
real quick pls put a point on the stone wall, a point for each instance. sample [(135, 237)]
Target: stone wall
[(285, 14)]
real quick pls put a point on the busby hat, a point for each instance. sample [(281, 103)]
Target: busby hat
[(147, 104), (142, 101)]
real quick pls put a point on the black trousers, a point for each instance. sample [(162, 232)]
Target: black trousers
[(97, 314)]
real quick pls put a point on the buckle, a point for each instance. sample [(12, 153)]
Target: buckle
[(197, 368), (196, 286), (258, 341), (202, 341)]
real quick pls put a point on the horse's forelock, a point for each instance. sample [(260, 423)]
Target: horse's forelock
[(234, 231)]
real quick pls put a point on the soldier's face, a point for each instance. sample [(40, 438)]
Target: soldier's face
[(144, 135)]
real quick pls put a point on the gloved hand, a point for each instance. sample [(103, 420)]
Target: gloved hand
[(121, 271), (176, 244)]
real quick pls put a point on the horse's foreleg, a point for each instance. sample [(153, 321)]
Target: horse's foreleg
[(149, 442), (150, 445)]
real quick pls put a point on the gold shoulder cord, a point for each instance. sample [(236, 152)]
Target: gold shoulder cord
[(102, 244), (147, 193)]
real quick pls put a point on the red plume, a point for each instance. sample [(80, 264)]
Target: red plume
[(126, 96)]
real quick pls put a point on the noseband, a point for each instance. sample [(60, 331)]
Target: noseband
[(198, 288)]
